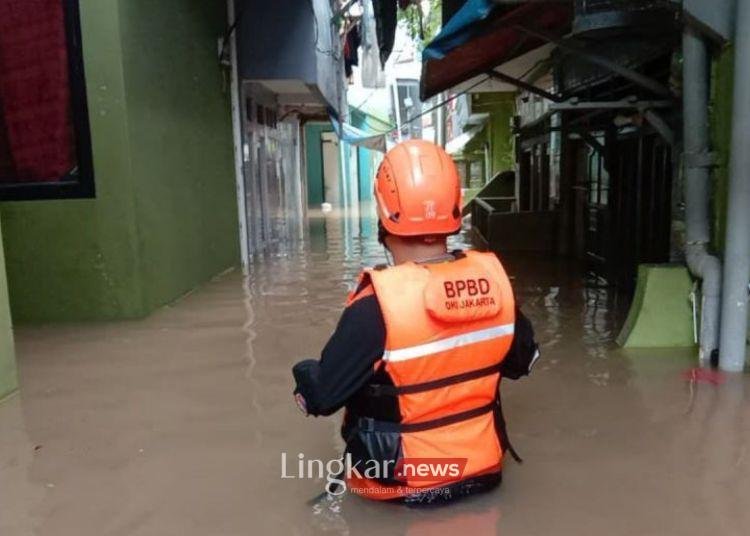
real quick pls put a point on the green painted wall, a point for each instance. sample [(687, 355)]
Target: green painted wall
[(164, 218), (76, 259), (502, 107), (8, 376), (314, 156), (474, 148), (180, 133)]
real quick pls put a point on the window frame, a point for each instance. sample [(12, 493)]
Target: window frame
[(81, 185)]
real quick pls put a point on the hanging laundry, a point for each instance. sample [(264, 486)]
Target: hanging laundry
[(385, 19), (351, 49), (371, 69)]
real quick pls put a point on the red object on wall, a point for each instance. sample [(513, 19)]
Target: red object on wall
[(35, 100)]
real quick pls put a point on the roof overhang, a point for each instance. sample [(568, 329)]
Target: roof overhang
[(521, 67), (496, 40)]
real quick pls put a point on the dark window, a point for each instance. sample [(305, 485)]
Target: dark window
[(45, 143)]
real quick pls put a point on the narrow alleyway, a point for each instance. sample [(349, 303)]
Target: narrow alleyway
[(176, 424)]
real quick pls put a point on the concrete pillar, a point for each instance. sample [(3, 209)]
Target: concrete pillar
[(737, 245)]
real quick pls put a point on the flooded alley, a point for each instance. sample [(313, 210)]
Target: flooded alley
[(190, 190), (176, 424)]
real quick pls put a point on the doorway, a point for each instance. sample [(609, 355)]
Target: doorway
[(271, 173)]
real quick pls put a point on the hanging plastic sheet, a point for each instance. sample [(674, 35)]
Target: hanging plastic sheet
[(356, 136), (457, 144), (459, 29)]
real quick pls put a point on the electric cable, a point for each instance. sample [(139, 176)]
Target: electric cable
[(430, 109)]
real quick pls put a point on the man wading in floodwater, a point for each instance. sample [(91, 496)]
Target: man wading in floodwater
[(419, 351)]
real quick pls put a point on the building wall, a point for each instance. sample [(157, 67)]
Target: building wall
[(164, 217), (291, 40), (74, 259), (282, 27), (8, 377), (179, 127), (328, 53), (502, 107)]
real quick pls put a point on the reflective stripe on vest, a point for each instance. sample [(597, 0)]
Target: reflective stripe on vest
[(450, 343)]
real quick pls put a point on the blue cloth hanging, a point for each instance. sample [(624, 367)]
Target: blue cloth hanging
[(459, 29)]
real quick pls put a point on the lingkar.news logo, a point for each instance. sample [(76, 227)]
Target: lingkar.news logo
[(336, 471)]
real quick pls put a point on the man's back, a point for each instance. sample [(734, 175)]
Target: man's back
[(431, 395), (420, 349)]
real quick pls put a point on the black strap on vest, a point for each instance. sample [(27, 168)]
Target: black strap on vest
[(368, 424), (378, 389)]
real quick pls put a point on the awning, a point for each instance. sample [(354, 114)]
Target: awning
[(355, 136), (483, 37), (457, 144), (459, 29)]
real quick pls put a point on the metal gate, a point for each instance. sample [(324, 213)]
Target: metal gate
[(273, 187), (627, 208)]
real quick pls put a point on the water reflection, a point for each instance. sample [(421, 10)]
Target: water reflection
[(175, 424), (476, 517)]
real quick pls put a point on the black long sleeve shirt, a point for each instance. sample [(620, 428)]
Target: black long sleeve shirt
[(346, 363)]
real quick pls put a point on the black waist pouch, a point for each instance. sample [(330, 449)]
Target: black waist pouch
[(375, 454)]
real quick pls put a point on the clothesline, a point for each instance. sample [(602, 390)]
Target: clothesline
[(352, 134)]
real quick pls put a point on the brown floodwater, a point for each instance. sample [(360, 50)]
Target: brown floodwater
[(176, 424)]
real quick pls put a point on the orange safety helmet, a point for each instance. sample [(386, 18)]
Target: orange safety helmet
[(418, 191)]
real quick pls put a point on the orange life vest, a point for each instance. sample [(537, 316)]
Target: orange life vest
[(448, 328)]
